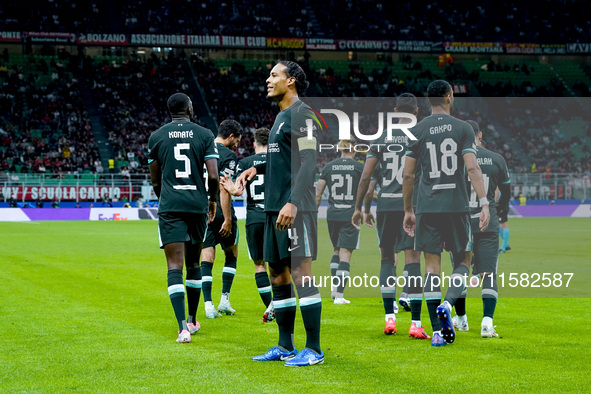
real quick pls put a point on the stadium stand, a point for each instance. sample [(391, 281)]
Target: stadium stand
[(131, 96), (43, 126), (488, 21)]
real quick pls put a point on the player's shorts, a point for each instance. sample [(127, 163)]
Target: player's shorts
[(255, 234), (504, 218), (181, 227), (343, 234), (405, 242), (213, 236), (299, 241), (493, 224), (389, 228), (485, 247), (432, 230)]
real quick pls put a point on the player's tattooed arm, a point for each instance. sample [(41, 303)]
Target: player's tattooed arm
[(156, 177)]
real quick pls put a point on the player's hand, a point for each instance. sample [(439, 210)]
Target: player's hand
[(357, 219), (211, 213), (286, 217), (369, 219), (230, 187), (409, 223), (227, 184), (484, 217), (226, 229), (246, 176)]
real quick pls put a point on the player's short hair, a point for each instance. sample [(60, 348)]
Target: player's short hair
[(294, 70), (406, 102), (261, 136), (437, 90), (178, 103), (229, 127), (475, 126), (345, 145)]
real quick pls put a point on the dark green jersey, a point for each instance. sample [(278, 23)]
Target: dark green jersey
[(494, 172), (442, 142), (288, 148), (385, 203), (181, 149), (255, 189), (390, 155), (226, 167), (342, 179)]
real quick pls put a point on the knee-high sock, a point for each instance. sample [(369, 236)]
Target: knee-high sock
[(457, 283), (264, 287), (504, 233), (334, 264), (311, 308), (489, 295), (176, 292), (343, 274), (206, 280), (193, 288), (228, 274), (284, 303), (415, 290), (460, 304), (388, 285), (404, 293), (433, 297)]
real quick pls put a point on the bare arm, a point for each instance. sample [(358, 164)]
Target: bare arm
[(213, 179), (212, 184), (408, 188), (226, 203), (230, 186), (319, 190), (370, 195), (408, 183), (156, 177), (475, 175), (368, 169)]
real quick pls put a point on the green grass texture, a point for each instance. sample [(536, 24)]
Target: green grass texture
[(84, 308)]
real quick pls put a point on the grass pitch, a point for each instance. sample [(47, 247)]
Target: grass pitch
[(84, 307)]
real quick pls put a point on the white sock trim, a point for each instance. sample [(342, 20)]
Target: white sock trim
[(390, 316)]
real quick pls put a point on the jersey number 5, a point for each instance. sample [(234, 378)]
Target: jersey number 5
[(180, 157)]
